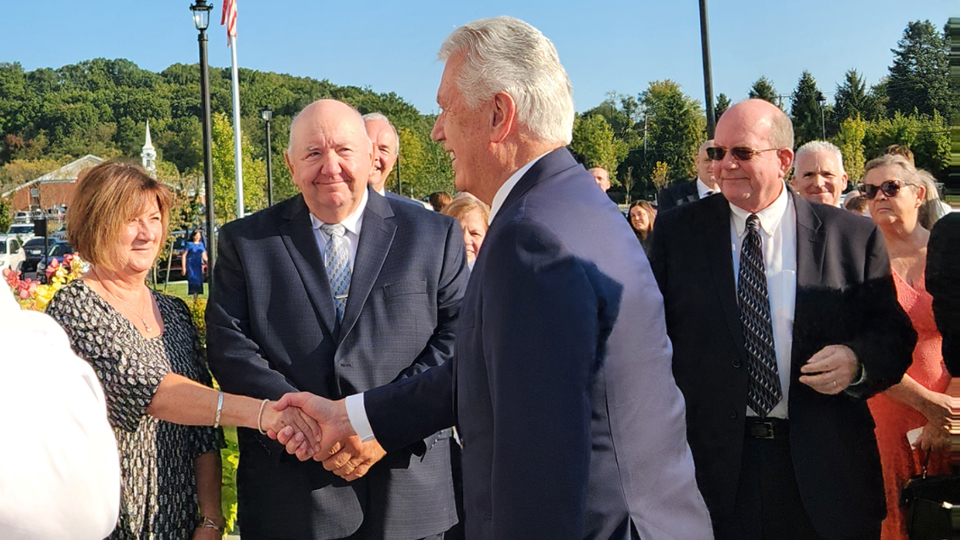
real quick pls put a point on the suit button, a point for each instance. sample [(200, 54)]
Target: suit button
[(733, 415), (736, 364)]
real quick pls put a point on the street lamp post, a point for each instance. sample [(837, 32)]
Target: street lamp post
[(267, 114), (823, 124), (707, 72), (201, 19)]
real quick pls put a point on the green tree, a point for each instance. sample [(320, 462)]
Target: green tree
[(805, 110), (224, 179), (927, 136), (676, 127), (850, 141), (919, 77), (763, 89), (723, 103), (853, 99), (594, 145)]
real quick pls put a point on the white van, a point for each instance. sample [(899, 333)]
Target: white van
[(11, 252)]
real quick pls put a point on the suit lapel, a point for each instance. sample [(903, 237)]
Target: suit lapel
[(548, 166), (376, 237), (301, 241), (811, 244), (716, 243)]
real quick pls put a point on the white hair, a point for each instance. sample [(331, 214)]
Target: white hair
[(503, 54), (360, 118), (370, 117), (815, 147)]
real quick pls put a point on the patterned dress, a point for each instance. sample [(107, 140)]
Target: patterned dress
[(895, 419), (158, 499)]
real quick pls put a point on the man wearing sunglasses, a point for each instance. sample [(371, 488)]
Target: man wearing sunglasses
[(777, 421)]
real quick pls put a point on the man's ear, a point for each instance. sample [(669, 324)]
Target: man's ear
[(286, 158), (504, 116), (785, 155)]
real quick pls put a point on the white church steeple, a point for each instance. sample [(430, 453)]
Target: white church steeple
[(149, 154)]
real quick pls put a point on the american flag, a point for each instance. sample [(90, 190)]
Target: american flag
[(229, 18)]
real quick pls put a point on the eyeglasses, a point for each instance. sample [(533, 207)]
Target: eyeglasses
[(890, 188), (739, 153)]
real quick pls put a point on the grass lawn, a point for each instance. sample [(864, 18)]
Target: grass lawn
[(179, 288)]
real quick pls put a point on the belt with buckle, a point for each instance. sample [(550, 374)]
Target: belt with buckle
[(766, 428)]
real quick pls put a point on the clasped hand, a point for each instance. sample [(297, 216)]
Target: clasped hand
[(340, 450), (276, 418)]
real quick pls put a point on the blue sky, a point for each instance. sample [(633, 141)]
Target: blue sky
[(613, 45)]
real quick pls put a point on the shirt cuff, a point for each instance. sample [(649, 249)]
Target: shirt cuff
[(357, 414)]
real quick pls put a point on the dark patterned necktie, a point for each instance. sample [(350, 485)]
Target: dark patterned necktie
[(764, 390)]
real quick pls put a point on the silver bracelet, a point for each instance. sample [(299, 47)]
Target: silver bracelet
[(260, 417), (208, 523), (216, 420)]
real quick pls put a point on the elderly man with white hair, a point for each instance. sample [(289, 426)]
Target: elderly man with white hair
[(561, 383), (818, 174)]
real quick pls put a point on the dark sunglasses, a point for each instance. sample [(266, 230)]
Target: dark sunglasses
[(890, 188), (739, 153)]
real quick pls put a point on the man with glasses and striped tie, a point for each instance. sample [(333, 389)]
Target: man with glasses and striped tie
[(783, 318), (336, 291)]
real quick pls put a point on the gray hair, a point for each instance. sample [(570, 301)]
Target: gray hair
[(503, 54), (363, 131), (930, 209), (369, 117), (815, 147)]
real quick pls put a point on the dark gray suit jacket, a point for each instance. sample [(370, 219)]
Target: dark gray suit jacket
[(271, 330), (845, 295), (676, 195), (572, 424)]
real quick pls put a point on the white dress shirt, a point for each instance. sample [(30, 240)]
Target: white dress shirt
[(778, 231), (703, 189), (356, 410), (351, 237), (59, 467)]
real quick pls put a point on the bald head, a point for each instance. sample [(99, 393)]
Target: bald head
[(761, 127), (330, 157), (602, 177)]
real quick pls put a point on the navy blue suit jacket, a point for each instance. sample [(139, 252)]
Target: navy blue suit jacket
[(271, 329), (571, 421)]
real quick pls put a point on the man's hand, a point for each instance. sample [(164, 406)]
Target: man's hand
[(306, 430), (353, 458), (831, 370), (330, 415)]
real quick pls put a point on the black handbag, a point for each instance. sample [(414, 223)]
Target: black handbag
[(932, 506)]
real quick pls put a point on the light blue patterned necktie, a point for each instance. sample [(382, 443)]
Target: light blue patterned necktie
[(336, 259)]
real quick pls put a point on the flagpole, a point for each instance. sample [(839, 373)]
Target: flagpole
[(237, 150)]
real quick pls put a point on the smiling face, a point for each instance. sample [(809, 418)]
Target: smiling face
[(140, 240), (384, 151), (639, 219), (901, 209), (755, 183), (818, 177), (330, 158), (465, 135), (474, 230)]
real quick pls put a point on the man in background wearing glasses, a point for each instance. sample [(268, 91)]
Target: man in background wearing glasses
[(810, 325)]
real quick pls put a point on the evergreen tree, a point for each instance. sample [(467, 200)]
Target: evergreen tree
[(854, 100), (805, 111), (723, 103), (763, 89), (919, 77), (676, 127)]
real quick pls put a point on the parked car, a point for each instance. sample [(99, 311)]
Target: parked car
[(175, 261), (54, 213), (57, 252), (37, 214), (34, 249), (21, 217), (24, 231), (11, 252)]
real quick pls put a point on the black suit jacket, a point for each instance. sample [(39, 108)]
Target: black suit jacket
[(271, 330), (571, 421), (943, 282), (845, 295), (676, 195)]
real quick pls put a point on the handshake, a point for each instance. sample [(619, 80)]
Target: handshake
[(311, 427)]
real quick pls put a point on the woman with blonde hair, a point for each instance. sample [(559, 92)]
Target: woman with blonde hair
[(895, 192), (146, 352), (473, 215)]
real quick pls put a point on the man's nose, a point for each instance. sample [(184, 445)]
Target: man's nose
[(329, 164), (437, 132)]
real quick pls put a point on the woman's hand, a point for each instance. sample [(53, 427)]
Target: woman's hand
[(934, 438), (276, 419), (207, 533), (936, 435)]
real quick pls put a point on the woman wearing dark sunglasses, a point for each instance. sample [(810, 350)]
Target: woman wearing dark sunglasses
[(895, 192)]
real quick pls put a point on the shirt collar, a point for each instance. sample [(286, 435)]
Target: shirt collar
[(508, 186), (352, 222), (703, 188), (383, 192), (770, 216)]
